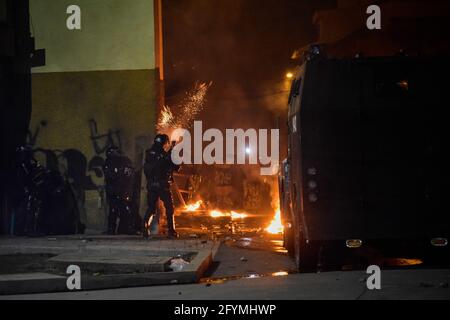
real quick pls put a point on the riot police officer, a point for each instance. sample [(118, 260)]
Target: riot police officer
[(31, 176), (119, 187), (158, 169)]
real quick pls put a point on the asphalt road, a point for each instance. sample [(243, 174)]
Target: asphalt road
[(241, 274), (395, 284)]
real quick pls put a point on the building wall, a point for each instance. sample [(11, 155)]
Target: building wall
[(114, 35), (99, 85)]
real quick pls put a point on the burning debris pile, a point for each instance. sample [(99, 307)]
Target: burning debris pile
[(227, 222), (197, 207), (236, 228), (208, 215), (217, 223)]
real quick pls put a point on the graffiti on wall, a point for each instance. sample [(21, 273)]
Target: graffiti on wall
[(82, 174), (102, 141)]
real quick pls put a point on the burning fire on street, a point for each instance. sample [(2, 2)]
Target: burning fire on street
[(215, 213), (193, 206), (202, 214), (232, 214), (276, 226)]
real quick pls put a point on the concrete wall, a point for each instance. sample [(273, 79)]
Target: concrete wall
[(114, 35), (99, 85), (120, 101)]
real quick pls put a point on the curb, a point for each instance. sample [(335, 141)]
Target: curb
[(44, 282)]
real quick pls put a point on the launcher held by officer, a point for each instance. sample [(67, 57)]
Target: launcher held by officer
[(159, 170)]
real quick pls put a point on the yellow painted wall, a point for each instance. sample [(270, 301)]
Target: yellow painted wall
[(105, 71), (114, 35)]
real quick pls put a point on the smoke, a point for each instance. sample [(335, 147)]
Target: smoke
[(248, 42), (244, 47)]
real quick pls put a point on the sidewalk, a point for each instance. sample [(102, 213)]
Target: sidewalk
[(39, 264)]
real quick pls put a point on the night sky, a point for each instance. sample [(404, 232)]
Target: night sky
[(239, 41), (244, 48)]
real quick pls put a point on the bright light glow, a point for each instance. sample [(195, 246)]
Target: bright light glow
[(217, 214), (237, 215), (248, 150), (276, 226), (289, 75), (193, 206), (233, 214), (280, 274)]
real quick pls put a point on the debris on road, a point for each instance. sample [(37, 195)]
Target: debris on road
[(177, 264)]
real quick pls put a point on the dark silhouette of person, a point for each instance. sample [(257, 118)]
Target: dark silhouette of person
[(158, 169), (119, 174)]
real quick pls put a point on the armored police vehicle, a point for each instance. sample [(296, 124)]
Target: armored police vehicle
[(368, 162)]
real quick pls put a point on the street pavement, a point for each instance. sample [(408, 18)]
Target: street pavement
[(349, 285), (245, 273)]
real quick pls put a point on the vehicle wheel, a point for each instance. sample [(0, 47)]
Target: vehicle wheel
[(305, 254)]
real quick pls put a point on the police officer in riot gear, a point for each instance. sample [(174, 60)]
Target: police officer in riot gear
[(31, 176), (159, 170), (119, 174)]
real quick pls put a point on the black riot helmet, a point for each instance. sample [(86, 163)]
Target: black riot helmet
[(24, 153), (112, 151), (161, 139)]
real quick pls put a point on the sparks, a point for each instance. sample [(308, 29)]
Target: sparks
[(189, 108), (166, 119)]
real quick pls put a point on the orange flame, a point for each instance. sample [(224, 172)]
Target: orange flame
[(232, 214), (193, 206), (217, 214), (275, 226), (237, 215)]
